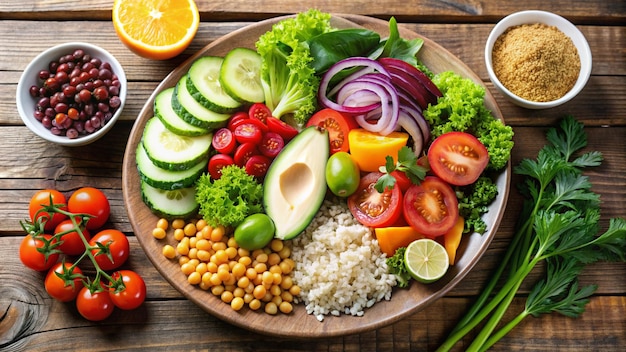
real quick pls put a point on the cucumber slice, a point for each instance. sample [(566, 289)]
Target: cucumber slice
[(204, 85), (164, 111), (166, 179), (176, 204), (240, 75), (171, 151), (192, 112)]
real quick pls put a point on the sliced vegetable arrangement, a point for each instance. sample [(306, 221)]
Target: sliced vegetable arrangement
[(62, 230), (278, 130)]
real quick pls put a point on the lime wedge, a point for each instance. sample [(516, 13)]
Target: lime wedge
[(426, 260)]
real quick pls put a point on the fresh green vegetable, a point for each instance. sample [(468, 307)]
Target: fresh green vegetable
[(399, 48), (331, 47), (474, 200), (558, 226), (407, 163), (396, 266), (289, 81), (462, 108), (230, 199)]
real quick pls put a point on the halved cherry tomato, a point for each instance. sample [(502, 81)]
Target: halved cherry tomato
[(260, 112), (72, 243), (43, 197), (236, 119), (249, 131), (337, 124), (32, 257), (271, 144), (372, 208), (92, 201), (282, 128), (458, 158), (431, 207), (118, 248), (257, 165), (244, 152), (56, 286), (224, 141), (134, 292), (217, 163), (94, 306)]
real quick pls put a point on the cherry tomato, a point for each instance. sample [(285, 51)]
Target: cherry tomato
[(402, 180), (431, 207), (236, 119), (118, 248), (92, 201), (458, 158), (244, 152), (338, 126), (56, 286), (249, 131), (33, 258), (134, 293), (372, 208), (257, 165), (217, 163), (271, 144), (94, 306), (260, 112), (282, 128), (224, 141), (72, 243), (42, 197)]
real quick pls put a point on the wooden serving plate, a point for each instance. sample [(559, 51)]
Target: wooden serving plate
[(299, 324)]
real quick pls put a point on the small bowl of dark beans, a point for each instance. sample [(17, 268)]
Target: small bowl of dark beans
[(71, 94)]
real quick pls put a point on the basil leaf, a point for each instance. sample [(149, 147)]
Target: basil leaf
[(332, 47)]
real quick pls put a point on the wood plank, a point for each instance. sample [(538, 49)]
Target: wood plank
[(419, 10)]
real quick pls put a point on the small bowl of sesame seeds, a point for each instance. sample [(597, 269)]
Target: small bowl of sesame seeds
[(537, 59)]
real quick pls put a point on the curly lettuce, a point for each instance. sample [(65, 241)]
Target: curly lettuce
[(289, 81), (230, 199), (474, 201), (462, 108)]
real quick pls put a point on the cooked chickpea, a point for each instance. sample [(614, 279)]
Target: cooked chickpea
[(194, 278), (178, 223), (188, 268), (285, 307), (159, 233), (271, 308), (276, 245), (227, 296), (217, 290), (169, 252), (255, 304), (237, 303), (217, 234), (179, 234), (190, 229), (163, 224)]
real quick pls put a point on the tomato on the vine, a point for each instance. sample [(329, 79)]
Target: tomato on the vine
[(260, 112), (112, 242), (71, 242), (282, 128), (30, 255), (372, 208), (94, 306), (56, 285), (42, 197), (431, 208), (338, 126), (458, 158), (134, 292), (92, 201)]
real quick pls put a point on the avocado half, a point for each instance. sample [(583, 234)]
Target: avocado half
[(295, 183)]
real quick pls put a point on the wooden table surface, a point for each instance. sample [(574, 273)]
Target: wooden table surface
[(31, 321)]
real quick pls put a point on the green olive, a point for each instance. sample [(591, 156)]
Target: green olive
[(342, 174), (255, 231)]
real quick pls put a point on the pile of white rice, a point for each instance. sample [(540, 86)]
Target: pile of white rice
[(339, 266)]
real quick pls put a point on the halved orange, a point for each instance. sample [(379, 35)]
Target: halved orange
[(156, 29)]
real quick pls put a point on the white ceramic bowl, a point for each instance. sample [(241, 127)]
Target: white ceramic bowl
[(551, 19), (26, 103)]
